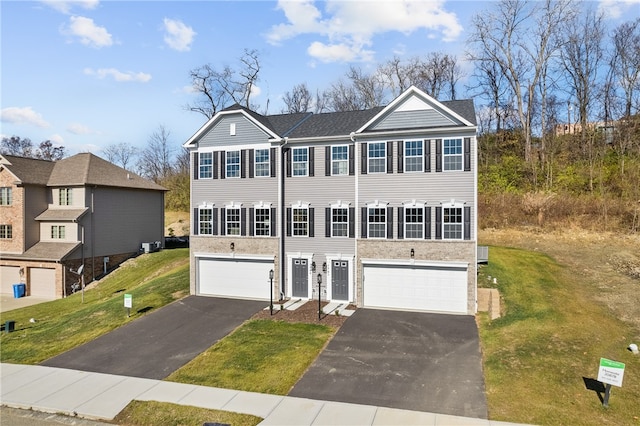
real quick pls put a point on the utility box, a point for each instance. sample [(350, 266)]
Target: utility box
[(9, 326)]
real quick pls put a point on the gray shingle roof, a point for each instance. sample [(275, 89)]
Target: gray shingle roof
[(45, 251), (463, 107), (29, 170), (61, 214), (333, 123)]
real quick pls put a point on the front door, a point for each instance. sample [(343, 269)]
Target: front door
[(300, 272), (340, 280)]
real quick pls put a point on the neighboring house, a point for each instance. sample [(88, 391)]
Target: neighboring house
[(380, 205), (56, 216)]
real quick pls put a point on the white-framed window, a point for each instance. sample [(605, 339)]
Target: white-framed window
[(6, 196), (452, 223), (58, 232), (339, 221), (65, 197), (377, 157), (414, 221), (205, 165), (339, 160), (300, 221), (377, 222), (413, 156), (232, 220), (205, 221), (262, 221), (233, 164), (452, 154), (262, 162), (6, 232), (300, 158)]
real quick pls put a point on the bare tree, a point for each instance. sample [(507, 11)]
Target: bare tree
[(369, 88), (626, 62), (298, 100), (47, 151), (122, 154), (343, 96), (219, 88), (22, 147), (156, 159)]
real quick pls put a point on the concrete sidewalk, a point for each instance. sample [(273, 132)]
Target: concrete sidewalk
[(102, 396)]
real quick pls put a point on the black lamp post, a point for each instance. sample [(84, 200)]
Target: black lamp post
[(319, 284), (271, 289)]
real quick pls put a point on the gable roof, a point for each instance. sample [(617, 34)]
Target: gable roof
[(89, 169), (29, 171)]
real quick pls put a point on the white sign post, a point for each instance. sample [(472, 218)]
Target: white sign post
[(610, 373), (128, 303)]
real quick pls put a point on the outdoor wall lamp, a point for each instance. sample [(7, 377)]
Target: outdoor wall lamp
[(233, 246), (324, 267), (313, 266), (413, 253)]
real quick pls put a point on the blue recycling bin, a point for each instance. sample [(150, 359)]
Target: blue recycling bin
[(19, 290)]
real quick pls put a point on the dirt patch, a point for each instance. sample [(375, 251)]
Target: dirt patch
[(307, 313), (608, 263)]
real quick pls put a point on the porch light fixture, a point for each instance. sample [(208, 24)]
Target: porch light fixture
[(413, 253), (232, 246), (319, 295), (313, 266), (324, 267)]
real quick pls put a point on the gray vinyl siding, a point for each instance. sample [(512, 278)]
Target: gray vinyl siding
[(414, 119), (35, 202), (246, 133)]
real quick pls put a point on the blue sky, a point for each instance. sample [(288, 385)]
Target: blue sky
[(87, 74)]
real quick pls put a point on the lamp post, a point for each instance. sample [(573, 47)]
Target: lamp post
[(271, 293), (319, 283)]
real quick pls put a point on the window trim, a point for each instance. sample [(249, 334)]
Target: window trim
[(203, 167), (345, 161), (210, 221), (268, 230), (384, 208), (383, 157), (66, 194), (407, 157), (419, 207), (58, 232), (6, 232), (6, 196), (342, 206), (294, 162), (256, 163), (304, 207), (227, 164), (446, 156), (459, 225)]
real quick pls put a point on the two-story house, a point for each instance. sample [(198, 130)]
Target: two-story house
[(56, 216), (375, 207)]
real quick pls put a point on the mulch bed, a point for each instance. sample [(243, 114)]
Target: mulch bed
[(307, 313)]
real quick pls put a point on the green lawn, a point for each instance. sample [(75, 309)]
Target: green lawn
[(153, 280), (152, 413), (551, 337), (261, 356)]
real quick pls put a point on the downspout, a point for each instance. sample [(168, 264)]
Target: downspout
[(283, 223), (356, 163), (93, 239)]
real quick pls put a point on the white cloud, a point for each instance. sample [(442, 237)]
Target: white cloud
[(615, 9), (89, 33), (348, 27), (118, 75), (66, 6), (179, 36), (78, 129), (57, 139), (26, 115)]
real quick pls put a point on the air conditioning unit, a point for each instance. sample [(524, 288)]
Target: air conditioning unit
[(151, 247)]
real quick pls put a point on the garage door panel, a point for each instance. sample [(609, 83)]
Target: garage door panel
[(404, 287), (42, 283), (236, 278), (9, 275)]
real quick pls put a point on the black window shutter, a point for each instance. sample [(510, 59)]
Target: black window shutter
[(243, 163), (400, 157), (288, 163), (389, 157), (327, 161), (427, 223), (467, 223), (196, 216), (389, 223), (243, 221), (427, 156), (438, 155), (214, 221), (223, 165), (352, 161), (400, 223), (272, 161), (288, 221), (272, 217), (467, 154), (363, 157), (352, 222), (327, 222), (223, 221), (363, 222), (252, 163), (196, 168), (312, 163), (311, 222), (438, 223)]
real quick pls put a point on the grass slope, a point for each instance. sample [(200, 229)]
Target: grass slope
[(550, 338), (153, 280), (151, 413)]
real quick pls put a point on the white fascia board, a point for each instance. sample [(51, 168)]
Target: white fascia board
[(409, 262), (233, 256), (215, 118), (318, 139), (423, 131)]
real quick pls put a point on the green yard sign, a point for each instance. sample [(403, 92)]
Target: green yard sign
[(610, 373), (128, 303)]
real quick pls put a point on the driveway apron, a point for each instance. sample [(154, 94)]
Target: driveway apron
[(408, 360), (159, 343)]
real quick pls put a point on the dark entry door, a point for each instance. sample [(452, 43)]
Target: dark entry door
[(340, 280), (300, 272)]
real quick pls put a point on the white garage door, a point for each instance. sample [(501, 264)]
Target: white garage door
[(9, 275), (43, 282), (437, 288), (234, 277)]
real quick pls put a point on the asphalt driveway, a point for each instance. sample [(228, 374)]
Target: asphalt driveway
[(159, 343), (408, 360)]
